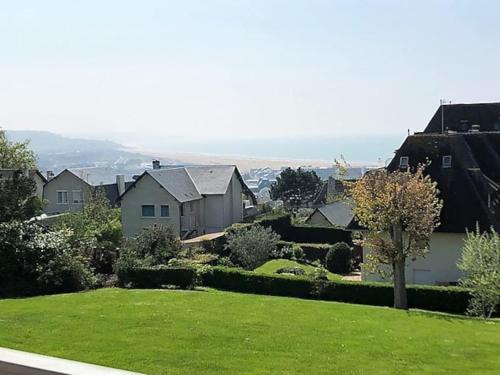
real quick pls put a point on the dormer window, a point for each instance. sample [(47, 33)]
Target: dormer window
[(447, 161), (404, 161)]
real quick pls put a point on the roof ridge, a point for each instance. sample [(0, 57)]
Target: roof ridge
[(193, 181)]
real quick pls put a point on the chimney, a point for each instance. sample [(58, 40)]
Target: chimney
[(50, 175), (120, 183), (156, 164)]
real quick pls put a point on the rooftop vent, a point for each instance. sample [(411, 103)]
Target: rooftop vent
[(156, 164)]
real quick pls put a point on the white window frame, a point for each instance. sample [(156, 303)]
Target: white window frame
[(165, 205), (67, 196), (154, 211), (448, 162), (406, 163), (73, 196)]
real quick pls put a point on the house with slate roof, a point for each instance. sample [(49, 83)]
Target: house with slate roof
[(465, 163), (193, 199), (68, 192)]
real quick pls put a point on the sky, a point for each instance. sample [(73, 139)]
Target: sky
[(165, 73)]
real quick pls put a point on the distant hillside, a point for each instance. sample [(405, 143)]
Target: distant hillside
[(42, 141)]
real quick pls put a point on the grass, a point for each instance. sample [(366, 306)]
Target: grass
[(213, 332), (270, 268)]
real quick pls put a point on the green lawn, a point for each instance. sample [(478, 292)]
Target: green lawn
[(199, 332), (272, 266)]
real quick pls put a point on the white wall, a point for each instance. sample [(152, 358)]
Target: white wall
[(147, 191), (64, 181), (439, 265), (214, 213)]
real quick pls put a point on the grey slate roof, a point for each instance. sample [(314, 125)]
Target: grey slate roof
[(211, 179), (337, 213), (177, 182), (189, 183)]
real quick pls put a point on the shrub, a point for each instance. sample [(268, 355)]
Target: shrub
[(480, 262), (338, 258), (285, 252), (225, 261), (251, 246), (291, 270), (157, 277), (159, 243), (35, 260), (298, 253)]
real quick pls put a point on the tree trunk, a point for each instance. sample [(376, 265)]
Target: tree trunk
[(400, 299), (398, 268)]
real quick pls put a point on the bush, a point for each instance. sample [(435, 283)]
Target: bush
[(157, 277), (285, 252), (445, 299), (298, 253), (159, 243), (338, 258), (251, 246), (35, 260), (291, 270)]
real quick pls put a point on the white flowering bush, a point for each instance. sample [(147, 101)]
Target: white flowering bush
[(36, 260)]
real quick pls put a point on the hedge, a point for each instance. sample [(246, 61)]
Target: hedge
[(282, 224), (157, 277), (312, 252), (435, 298)]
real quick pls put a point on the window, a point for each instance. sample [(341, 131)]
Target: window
[(148, 210), (447, 161), (404, 161), (62, 197), (77, 196), (165, 211)]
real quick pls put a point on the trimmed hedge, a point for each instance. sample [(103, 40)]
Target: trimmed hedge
[(435, 298), (312, 234), (312, 252), (157, 277)]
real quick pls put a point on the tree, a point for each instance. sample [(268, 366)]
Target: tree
[(15, 155), (250, 247), (400, 210), (480, 262), (96, 231), (17, 198), (296, 187)]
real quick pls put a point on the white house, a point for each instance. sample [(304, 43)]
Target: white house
[(68, 192), (194, 199), (465, 163)]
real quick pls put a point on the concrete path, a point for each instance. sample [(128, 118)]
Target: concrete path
[(15, 362)]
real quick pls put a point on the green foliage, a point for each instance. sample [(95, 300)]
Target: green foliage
[(480, 262), (296, 187), (250, 247), (17, 198), (291, 270), (156, 244), (157, 277), (96, 220), (445, 299), (338, 258), (15, 155), (36, 260)]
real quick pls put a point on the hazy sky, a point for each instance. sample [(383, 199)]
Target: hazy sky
[(204, 70)]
